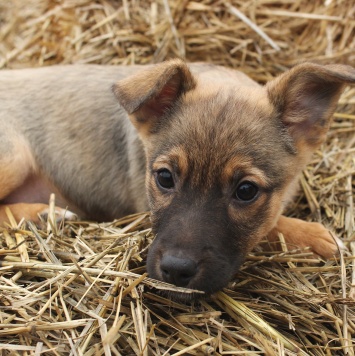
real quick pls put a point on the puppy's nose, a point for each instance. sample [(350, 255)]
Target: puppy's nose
[(178, 271)]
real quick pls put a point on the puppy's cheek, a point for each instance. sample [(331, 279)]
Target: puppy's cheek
[(153, 261), (248, 226), (273, 214), (254, 222)]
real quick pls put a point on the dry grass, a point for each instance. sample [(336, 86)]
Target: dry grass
[(81, 288)]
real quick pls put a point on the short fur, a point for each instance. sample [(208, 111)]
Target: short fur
[(64, 130)]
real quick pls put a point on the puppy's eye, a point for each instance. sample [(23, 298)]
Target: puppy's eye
[(165, 179), (246, 191)]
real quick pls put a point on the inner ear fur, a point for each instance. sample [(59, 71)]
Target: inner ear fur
[(150, 94), (305, 99)]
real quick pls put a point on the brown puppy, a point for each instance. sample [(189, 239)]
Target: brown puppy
[(220, 155)]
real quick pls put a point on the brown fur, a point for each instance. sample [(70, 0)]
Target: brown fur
[(210, 129)]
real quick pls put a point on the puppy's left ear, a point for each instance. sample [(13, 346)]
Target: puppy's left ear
[(149, 95), (305, 99)]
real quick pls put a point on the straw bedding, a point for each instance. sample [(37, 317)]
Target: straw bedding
[(80, 288)]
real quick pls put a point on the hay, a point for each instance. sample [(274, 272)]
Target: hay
[(81, 288)]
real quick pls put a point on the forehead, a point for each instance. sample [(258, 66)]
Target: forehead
[(220, 132)]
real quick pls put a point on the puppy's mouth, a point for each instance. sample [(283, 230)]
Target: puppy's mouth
[(195, 289)]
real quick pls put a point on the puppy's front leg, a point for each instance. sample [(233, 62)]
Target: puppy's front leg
[(302, 234)]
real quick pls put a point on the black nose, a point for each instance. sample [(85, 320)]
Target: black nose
[(178, 271)]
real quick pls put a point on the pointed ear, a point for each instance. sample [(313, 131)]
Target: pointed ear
[(305, 99), (150, 94)]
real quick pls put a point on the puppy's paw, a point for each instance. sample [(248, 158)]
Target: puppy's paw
[(300, 234), (315, 236), (37, 213), (59, 214)]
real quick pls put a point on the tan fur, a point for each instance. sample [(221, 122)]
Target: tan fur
[(94, 134)]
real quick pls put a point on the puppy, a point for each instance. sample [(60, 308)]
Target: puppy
[(219, 155)]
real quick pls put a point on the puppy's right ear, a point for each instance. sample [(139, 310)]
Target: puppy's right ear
[(150, 94)]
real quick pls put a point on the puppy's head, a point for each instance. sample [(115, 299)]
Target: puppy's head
[(222, 159)]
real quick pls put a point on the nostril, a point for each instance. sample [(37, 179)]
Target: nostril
[(178, 271), (166, 274)]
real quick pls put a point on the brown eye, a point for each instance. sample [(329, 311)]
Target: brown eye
[(165, 179), (246, 191)]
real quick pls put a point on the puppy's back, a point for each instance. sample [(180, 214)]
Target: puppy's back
[(74, 127)]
